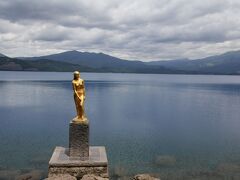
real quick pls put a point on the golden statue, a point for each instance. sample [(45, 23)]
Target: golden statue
[(79, 96)]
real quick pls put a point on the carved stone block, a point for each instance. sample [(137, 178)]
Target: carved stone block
[(79, 139)]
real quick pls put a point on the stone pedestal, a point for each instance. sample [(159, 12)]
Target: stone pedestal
[(79, 139), (97, 164), (80, 158)]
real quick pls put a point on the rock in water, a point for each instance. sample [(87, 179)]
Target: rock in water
[(9, 174), (144, 177), (61, 177), (32, 175), (165, 160), (228, 168), (93, 177)]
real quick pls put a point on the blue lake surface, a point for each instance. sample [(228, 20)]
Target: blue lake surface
[(174, 126)]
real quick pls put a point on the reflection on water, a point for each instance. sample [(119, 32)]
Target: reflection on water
[(171, 125)]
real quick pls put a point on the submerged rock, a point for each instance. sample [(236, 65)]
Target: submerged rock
[(228, 168), (119, 171), (144, 177), (165, 160), (9, 174), (62, 177), (39, 161), (69, 177), (32, 175), (93, 177)]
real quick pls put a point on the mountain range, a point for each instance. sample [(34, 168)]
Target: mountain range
[(2, 55), (227, 63)]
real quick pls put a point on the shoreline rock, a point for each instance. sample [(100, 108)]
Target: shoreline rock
[(144, 177), (165, 160), (32, 175), (62, 177), (94, 177)]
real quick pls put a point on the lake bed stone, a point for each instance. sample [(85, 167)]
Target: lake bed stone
[(61, 177), (165, 160), (93, 177), (144, 177), (32, 175)]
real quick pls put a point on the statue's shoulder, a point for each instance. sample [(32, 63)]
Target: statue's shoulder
[(80, 81)]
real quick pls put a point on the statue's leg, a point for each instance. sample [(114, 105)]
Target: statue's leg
[(77, 104), (82, 108)]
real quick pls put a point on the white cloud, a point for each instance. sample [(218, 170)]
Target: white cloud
[(132, 29)]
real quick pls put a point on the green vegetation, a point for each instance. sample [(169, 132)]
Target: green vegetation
[(227, 63), (12, 64)]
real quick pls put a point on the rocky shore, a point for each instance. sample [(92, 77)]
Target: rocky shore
[(38, 175), (93, 177), (223, 170)]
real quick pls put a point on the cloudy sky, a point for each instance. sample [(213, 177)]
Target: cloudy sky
[(131, 29)]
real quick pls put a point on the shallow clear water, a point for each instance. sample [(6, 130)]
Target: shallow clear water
[(175, 126)]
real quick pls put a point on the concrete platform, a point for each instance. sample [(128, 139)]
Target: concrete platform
[(97, 163)]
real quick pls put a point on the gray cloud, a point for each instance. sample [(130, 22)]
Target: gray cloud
[(136, 29)]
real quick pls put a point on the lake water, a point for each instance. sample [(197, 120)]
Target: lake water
[(173, 126)]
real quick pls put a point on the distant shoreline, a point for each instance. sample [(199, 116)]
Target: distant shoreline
[(127, 72), (69, 61)]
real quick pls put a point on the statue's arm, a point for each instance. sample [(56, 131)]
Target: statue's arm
[(83, 89), (75, 90)]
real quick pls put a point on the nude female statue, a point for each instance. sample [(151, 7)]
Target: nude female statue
[(79, 96)]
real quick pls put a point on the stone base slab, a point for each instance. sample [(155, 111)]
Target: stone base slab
[(97, 163)]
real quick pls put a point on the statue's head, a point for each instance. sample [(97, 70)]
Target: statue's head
[(76, 75)]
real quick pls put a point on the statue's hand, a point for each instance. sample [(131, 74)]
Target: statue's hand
[(82, 99), (78, 97)]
